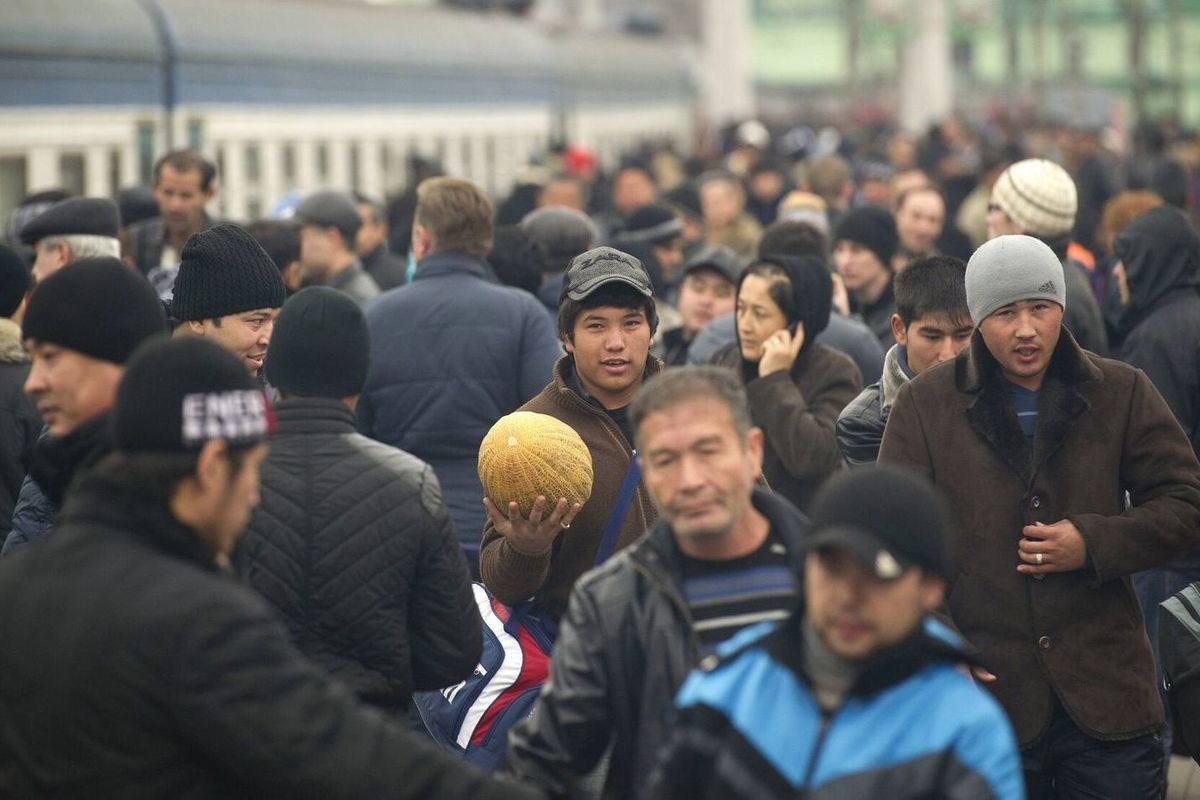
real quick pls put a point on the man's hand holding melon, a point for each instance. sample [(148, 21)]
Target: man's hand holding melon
[(538, 470)]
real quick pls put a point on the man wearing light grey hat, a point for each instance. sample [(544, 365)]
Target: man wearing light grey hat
[(1038, 198), (1036, 442)]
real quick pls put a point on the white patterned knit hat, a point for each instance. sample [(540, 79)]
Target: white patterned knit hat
[(1039, 196)]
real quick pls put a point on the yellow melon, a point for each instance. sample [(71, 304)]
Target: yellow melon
[(526, 454)]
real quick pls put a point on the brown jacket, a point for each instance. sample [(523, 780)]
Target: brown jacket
[(1102, 430), (514, 577), (798, 413)]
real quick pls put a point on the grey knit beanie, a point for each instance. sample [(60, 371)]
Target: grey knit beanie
[(1012, 268)]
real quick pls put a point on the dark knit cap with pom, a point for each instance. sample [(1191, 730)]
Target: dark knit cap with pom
[(224, 271)]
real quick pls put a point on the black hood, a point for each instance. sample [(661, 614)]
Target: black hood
[(1161, 253)]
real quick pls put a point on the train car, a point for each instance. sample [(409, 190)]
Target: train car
[(297, 95)]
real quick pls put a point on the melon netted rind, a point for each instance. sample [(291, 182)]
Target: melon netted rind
[(526, 454)]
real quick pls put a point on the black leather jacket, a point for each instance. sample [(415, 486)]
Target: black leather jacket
[(624, 648)]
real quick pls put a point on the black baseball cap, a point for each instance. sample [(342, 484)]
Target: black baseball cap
[(890, 519), (716, 257), (589, 271)]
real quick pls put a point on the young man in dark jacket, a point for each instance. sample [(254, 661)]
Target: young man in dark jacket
[(606, 320), (931, 325), (1038, 444), (724, 556), (78, 342), (859, 693), (134, 668), (351, 542)]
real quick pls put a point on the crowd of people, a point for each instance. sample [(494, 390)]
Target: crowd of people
[(888, 444)]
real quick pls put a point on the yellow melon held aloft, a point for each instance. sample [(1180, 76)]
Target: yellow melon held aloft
[(526, 454)]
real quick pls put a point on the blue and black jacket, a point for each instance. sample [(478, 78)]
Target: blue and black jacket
[(913, 725)]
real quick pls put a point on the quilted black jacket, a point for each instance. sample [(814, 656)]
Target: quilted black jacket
[(352, 544)]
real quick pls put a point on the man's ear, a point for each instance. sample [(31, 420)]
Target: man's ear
[(898, 330), (196, 326), (933, 592), (567, 342), (212, 465), (754, 449)]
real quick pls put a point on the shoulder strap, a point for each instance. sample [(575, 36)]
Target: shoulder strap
[(633, 476)]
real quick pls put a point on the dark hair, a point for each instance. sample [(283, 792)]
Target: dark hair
[(15, 280), (186, 161), (280, 239), (915, 190), (156, 476), (615, 294), (516, 259), (933, 285), (1170, 180), (671, 387), (378, 209), (793, 238), (781, 291)]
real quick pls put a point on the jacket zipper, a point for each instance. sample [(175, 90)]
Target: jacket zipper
[(826, 719)]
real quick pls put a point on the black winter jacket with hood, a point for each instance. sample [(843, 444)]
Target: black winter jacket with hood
[(133, 668), (1161, 254), (352, 544)]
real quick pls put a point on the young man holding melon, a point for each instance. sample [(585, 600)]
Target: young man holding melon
[(724, 555), (606, 320)]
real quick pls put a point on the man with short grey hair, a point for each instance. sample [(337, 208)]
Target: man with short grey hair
[(1066, 474), (724, 555), (75, 228)]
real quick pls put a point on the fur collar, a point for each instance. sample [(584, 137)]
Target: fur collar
[(991, 411), (893, 376), (11, 349)]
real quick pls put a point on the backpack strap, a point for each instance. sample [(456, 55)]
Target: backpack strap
[(633, 476)]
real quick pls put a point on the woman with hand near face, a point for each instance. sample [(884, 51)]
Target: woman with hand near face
[(796, 386)]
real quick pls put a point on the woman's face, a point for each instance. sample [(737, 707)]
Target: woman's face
[(757, 315)]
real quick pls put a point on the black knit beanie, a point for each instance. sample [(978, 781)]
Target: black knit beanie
[(96, 306), (177, 394), (320, 346), (873, 228), (812, 291), (224, 271)]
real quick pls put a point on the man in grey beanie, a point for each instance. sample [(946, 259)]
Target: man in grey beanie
[(1036, 442), (1038, 198)]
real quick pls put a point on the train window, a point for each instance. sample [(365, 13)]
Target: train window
[(322, 161), (386, 166), (195, 134), (13, 185), (114, 170), (289, 164), (72, 172), (253, 163), (145, 147)]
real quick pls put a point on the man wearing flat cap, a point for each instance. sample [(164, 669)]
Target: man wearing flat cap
[(329, 223), (75, 228), (1066, 474)]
